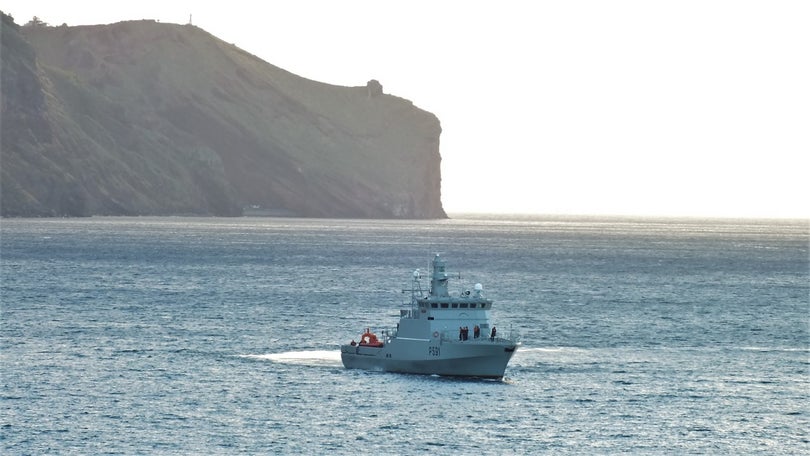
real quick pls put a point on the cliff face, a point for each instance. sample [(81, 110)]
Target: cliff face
[(149, 118)]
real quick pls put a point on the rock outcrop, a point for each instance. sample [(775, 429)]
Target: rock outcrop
[(147, 118)]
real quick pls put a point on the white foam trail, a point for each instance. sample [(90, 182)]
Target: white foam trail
[(776, 349), (305, 357)]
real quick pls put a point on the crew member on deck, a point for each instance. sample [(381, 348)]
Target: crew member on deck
[(492, 335)]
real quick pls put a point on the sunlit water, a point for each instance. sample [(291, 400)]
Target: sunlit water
[(201, 336)]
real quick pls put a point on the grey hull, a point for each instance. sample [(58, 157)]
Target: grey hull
[(485, 358)]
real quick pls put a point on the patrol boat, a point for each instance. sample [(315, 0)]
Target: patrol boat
[(438, 334)]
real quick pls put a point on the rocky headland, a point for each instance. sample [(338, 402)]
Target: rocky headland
[(149, 118)]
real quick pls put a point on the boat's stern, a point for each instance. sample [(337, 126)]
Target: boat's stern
[(362, 357)]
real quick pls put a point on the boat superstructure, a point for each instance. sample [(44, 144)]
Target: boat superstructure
[(437, 334)]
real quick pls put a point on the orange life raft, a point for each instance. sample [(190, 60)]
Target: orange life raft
[(369, 339)]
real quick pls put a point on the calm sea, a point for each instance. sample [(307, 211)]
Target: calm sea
[(220, 336)]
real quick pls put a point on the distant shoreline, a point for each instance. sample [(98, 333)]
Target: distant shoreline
[(495, 217)]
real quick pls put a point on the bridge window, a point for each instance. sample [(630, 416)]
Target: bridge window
[(463, 305), (472, 305), (444, 305), (455, 305), (433, 305)]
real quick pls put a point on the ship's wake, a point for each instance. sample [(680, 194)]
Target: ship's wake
[(328, 358)]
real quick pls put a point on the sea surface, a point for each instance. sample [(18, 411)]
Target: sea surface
[(220, 336)]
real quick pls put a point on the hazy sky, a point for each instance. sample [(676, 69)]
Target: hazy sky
[(580, 107)]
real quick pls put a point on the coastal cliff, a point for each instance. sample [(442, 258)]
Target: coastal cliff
[(148, 118)]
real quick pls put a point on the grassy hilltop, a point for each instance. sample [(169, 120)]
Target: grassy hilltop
[(141, 117)]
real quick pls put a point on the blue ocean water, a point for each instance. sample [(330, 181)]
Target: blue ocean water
[(220, 336)]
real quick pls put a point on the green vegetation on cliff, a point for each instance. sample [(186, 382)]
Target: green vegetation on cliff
[(141, 117)]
